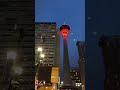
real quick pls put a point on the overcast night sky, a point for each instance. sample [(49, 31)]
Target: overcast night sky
[(67, 11)]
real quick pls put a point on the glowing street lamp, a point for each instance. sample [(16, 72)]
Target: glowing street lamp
[(44, 82), (39, 49), (42, 55)]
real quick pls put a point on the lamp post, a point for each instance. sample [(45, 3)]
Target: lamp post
[(39, 49), (40, 58)]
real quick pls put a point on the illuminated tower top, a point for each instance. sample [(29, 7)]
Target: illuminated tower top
[(64, 29)]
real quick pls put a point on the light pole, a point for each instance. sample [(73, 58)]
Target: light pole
[(40, 58), (40, 55), (39, 49)]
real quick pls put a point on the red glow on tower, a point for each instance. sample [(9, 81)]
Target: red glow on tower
[(64, 29)]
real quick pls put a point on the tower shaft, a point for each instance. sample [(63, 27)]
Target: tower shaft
[(66, 76)]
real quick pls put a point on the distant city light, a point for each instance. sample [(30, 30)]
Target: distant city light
[(78, 84)]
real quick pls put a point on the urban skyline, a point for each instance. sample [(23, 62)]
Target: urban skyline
[(95, 22)]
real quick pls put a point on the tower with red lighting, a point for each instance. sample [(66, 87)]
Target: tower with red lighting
[(64, 29)]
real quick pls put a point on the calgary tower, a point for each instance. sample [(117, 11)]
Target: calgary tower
[(64, 29)]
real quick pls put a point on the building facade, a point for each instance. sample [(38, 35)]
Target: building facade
[(47, 38)]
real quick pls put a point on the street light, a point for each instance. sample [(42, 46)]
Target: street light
[(42, 55), (39, 49), (39, 59)]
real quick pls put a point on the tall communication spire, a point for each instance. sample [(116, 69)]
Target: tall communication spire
[(64, 22), (64, 29)]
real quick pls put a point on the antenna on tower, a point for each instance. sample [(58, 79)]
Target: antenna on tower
[(64, 21)]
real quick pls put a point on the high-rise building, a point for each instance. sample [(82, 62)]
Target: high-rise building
[(47, 40), (111, 54), (47, 54), (81, 52)]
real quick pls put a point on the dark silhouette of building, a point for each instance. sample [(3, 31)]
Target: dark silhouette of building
[(17, 34), (111, 54), (81, 52)]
